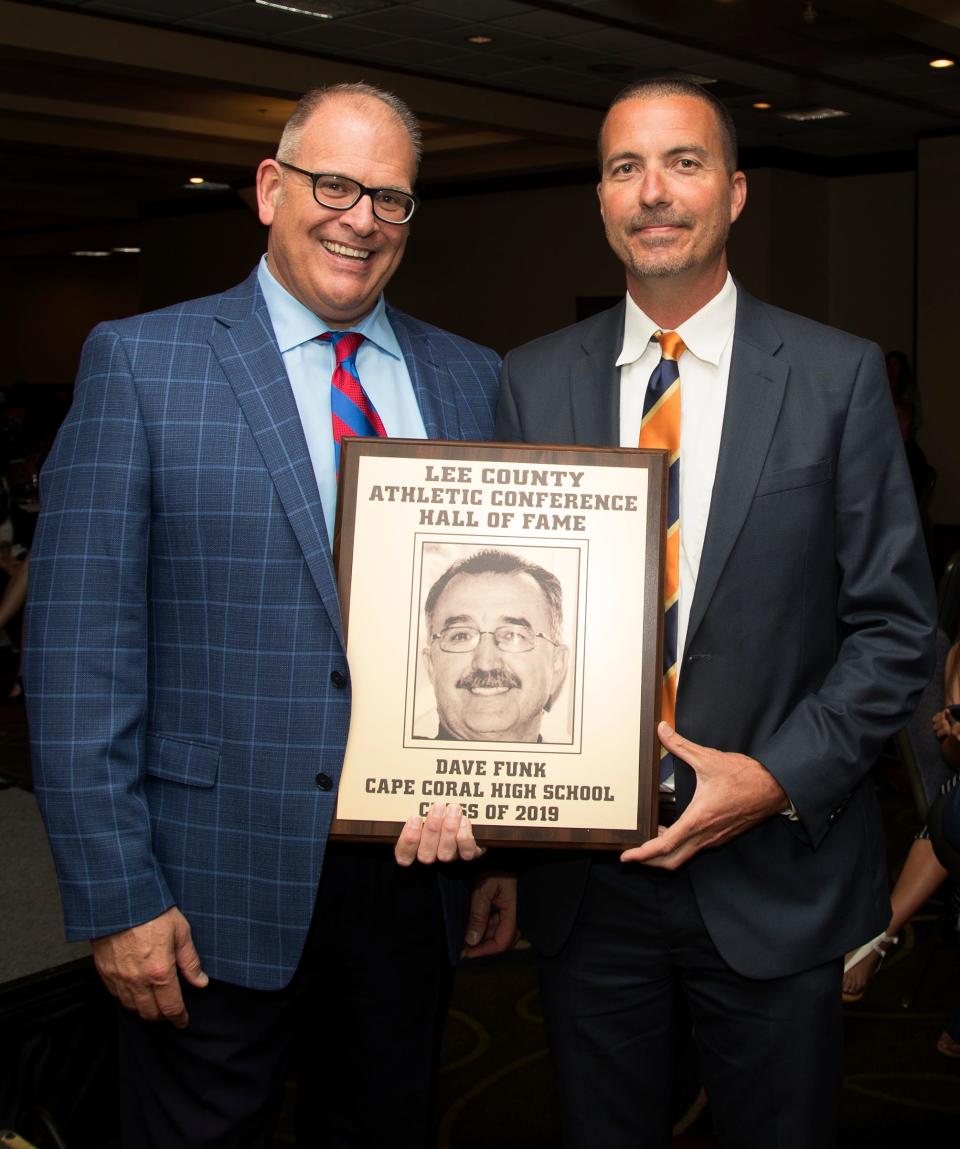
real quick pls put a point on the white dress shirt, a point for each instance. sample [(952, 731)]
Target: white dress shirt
[(704, 374)]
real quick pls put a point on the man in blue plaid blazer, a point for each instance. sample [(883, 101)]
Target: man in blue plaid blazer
[(188, 688)]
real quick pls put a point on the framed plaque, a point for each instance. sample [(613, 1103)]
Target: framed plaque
[(502, 613)]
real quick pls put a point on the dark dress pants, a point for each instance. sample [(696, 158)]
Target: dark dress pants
[(361, 1018), (769, 1051)]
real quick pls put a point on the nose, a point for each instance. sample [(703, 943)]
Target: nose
[(654, 189), (360, 218), (487, 654)]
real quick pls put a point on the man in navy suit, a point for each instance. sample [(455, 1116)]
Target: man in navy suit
[(189, 691), (805, 633)]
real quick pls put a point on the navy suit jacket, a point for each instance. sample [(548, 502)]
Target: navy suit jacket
[(185, 665), (810, 633)]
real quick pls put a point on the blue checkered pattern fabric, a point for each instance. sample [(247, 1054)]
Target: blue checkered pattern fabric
[(183, 632)]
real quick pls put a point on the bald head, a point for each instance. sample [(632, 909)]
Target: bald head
[(360, 96)]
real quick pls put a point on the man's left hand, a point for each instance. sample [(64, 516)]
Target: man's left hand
[(492, 926), (733, 793)]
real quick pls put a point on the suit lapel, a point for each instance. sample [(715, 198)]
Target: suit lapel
[(595, 381), (246, 348), (428, 376), (754, 396)]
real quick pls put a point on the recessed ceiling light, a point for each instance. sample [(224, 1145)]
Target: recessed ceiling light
[(762, 105), (197, 183), (91, 254), (479, 39), (942, 62), (302, 8), (803, 115), (127, 250)]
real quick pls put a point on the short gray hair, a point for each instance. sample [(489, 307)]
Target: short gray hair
[(493, 561), (310, 101)]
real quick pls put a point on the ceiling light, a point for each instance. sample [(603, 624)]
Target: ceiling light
[(479, 39), (127, 250), (91, 254), (198, 183), (942, 62), (301, 8), (762, 105), (803, 115)]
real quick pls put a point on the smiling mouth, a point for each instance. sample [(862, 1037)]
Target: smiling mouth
[(654, 222), (342, 249), (489, 691)]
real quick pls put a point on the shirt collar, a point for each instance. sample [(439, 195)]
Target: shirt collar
[(294, 324), (705, 334)]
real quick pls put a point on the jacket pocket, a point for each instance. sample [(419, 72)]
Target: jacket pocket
[(794, 477), (177, 761)]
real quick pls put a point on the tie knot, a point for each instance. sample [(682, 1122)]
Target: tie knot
[(671, 345), (345, 343)]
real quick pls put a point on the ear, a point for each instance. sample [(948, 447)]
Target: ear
[(427, 661), (561, 660), (600, 198), (738, 194), (269, 188)]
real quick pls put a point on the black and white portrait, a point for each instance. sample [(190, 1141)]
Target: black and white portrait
[(495, 647)]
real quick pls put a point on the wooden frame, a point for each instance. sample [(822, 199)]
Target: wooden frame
[(570, 755)]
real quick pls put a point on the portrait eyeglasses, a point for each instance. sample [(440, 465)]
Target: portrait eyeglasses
[(509, 639), (340, 193)]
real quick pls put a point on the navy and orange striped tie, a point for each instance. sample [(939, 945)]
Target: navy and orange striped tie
[(351, 411), (660, 428)]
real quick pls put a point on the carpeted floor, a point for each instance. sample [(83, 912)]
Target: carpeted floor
[(496, 1086)]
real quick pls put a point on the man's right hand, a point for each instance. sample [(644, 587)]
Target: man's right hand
[(139, 966), (443, 836)]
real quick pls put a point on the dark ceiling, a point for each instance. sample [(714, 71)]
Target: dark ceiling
[(110, 105)]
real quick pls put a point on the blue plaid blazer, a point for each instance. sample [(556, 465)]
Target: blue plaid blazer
[(185, 663)]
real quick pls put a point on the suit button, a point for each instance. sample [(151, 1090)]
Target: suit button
[(324, 782), (339, 679)]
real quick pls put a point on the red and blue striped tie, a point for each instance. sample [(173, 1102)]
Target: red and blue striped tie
[(351, 411)]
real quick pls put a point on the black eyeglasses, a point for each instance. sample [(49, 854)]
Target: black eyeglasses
[(342, 193)]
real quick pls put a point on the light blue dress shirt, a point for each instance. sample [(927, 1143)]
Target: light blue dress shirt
[(309, 364)]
